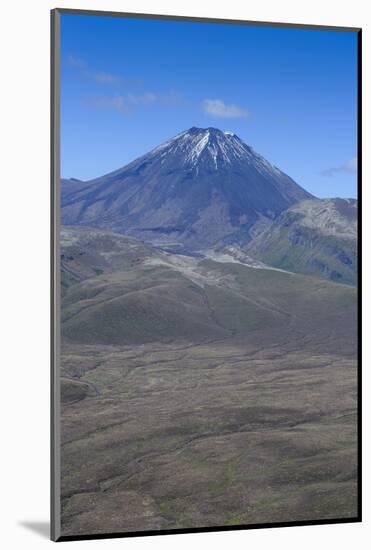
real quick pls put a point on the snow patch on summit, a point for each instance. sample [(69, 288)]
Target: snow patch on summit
[(197, 149), (222, 147), (201, 151), (196, 145)]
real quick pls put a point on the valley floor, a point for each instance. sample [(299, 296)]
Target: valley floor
[(167, 436)]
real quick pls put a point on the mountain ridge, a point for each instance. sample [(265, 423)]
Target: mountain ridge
[(315, 237), (198, 179)]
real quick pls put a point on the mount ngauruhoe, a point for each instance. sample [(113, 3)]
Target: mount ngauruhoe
[(201, 188), (207, 189)]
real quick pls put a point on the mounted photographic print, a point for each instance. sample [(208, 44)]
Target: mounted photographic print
[(205, 238)]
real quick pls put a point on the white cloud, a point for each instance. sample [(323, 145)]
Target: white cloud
[(217, 107), (348, 167)]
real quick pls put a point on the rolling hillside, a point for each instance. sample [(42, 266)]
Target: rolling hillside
[(131, 293), (201, 391)]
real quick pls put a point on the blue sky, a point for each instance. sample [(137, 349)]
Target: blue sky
[(129, 84)]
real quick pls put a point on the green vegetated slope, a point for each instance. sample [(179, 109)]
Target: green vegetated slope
[(124, 292), (315, 237), (87, 253)]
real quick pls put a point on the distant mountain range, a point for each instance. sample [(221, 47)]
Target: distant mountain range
[(205, 190)]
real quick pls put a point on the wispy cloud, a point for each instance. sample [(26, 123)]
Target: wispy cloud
[(217, 108), (104, 77), (348, 167), (126, 103), (75, 61), (122, 103)]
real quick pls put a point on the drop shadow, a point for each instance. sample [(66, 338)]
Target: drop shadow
[(41, 528)]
